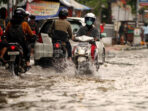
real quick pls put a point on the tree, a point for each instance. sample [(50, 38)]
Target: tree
[(96, 5), (132, 3)]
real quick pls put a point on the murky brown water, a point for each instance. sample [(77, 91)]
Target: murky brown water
[(120, 85)]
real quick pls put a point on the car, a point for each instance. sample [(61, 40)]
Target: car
[(43, 46)]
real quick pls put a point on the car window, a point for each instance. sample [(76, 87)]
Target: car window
[(75, 25), (46, 27)]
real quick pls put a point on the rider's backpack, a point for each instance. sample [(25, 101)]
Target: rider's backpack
[(16, 34), (58, 34)]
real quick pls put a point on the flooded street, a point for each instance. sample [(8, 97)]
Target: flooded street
[(120, 85)]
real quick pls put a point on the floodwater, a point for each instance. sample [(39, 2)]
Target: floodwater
[(120, 85)]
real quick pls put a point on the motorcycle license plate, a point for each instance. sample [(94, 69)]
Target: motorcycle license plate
[(58, 51), (13, 53)]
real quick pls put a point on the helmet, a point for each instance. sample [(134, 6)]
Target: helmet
[(3, 12), (90, 15), (63, 13), (32, 17), (19, 13), (27, 12), (90, 18)]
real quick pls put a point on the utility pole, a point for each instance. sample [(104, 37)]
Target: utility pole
[(137, 13), (8, 8)]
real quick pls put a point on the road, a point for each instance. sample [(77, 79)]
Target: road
[(120, 85)]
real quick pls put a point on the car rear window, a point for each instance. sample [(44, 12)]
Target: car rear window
[(46, 27), (75, 25)]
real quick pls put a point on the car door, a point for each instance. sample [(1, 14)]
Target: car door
[(43, 46)]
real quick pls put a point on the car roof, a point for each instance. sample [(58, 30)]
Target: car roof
[(80, 19)]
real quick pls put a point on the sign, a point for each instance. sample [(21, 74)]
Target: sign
[(137, 32), (143, 2), (146, 16), (43, 8)]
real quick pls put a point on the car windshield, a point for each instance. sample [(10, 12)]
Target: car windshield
[(75, 25)]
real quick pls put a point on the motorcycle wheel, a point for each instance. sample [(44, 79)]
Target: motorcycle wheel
[(83, 68), (59, 65)]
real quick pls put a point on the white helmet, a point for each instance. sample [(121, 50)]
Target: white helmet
[(90, 19), (27, 13), (90, 15)]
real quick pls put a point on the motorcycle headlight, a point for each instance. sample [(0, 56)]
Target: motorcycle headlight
[(81, 51)]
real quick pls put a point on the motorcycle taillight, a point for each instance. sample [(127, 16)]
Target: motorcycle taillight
[(57, 45), (12, 47)]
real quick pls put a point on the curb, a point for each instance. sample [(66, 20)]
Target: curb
[(135, 48), (125, 47)]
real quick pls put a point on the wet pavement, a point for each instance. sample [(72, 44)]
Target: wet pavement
[(120, 85)]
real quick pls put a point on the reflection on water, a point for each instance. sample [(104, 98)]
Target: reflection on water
[(120, 85)]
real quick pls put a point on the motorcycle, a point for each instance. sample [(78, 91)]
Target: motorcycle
[(59, 55), (83, 55), (16, 63)]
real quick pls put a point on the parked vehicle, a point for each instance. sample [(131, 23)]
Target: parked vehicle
[(16, 63), (82, 55)]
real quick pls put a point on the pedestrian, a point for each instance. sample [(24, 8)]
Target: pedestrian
[(125, 32), (130, 32), (121, 33), (145, 31), (102, 25)]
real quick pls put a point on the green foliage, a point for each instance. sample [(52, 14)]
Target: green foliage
[(3, 1), (132, 3), (95, 4)]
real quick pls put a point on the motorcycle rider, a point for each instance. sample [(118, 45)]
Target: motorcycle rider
[(2, 46), (63, 25), (3, 42), (90, 30), (24, 29), (35, 30), (33, 25)]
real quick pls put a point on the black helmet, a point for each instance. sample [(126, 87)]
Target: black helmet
[(19, 13), (63, 13), (32, 17)]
